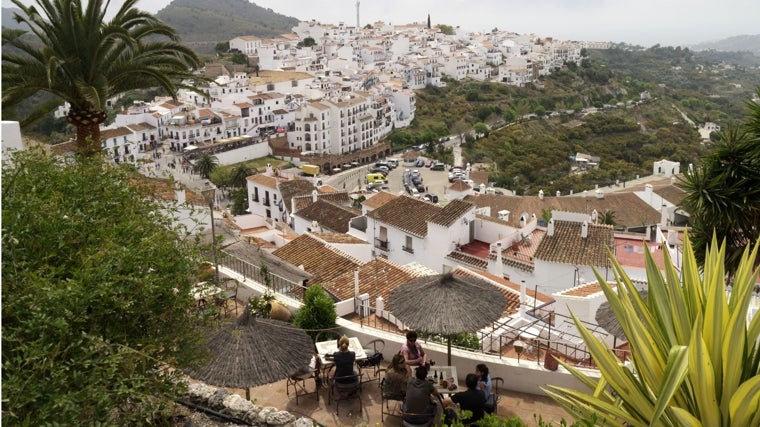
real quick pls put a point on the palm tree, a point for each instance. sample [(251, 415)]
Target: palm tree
[(86, 59), (205, 164), (608, 217), (723, 191), (695, 357), (239, 175)]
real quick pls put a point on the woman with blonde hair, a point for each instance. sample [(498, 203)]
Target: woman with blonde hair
[(345, 362)]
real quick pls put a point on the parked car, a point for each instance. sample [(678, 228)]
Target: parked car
[(420, 187), (415, 193), (432, 198), (420, 163), (437, 167), (429, 163)]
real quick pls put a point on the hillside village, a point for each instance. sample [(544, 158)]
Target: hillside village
[(330, 105)]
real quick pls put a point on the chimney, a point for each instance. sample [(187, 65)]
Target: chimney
[(499, 261), (269, 171), (558, 193), (594, 216), (540, 194), (584, 229), (314, 196), (504, 215), (550, 227), (315, 227), (599, 194), (356, 283)]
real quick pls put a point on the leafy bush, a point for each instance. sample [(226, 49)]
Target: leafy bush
[(317, 312)]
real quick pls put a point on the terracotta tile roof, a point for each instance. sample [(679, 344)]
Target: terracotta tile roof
[(451, 213), (459, 186), (141, 126), (406, 213), (585, 290), (510, 290), (265, 180), (630, 210), (115, 133), (378, 278), (671, 193), (339, 198), (332, 217), (379, 199), (339, 238), (317, 258), (327, 189), (468, 259), (294, 188), (567, 246)]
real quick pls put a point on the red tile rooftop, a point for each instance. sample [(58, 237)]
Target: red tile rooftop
[(630, 252)]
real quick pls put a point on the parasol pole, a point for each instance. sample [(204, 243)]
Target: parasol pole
[(448, 347), (248, 394)]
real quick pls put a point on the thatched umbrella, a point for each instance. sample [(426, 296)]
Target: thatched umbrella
[(606, 318), (446, 304), (253, 351)]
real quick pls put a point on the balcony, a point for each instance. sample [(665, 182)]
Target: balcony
[(408, 249), (381, 244)]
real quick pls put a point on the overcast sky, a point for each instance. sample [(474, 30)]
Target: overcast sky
[(642, 22)]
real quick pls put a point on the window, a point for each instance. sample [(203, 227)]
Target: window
[(408, 246)]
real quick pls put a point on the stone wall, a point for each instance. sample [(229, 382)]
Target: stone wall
[(224, 402)]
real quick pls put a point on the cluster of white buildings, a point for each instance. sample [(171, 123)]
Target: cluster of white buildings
[(338, 96)]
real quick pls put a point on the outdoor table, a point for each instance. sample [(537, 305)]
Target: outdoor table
[(331, 346), (448, 372), (203, 291)]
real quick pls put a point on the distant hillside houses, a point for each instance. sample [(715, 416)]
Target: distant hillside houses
[(339, 96)]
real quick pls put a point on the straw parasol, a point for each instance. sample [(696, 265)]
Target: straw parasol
[(606, 318), (446, 304), (253, 351)]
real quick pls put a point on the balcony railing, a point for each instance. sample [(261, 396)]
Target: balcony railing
[(267, 202), (408, 249), (381, 244)]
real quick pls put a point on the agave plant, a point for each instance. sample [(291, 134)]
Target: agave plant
[(695, 354)]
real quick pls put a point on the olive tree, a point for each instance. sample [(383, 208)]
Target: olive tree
[(97, 302)]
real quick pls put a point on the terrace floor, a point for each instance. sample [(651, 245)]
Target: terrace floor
[(316, 407)]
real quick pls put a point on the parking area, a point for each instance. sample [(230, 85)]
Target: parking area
[(435, 181)]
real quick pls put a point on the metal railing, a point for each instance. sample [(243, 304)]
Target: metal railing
[(251, 271)]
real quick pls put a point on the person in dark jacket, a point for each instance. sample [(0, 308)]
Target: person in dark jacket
[(473, 399)]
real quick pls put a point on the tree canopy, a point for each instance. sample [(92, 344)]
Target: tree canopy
[(723, 191), (87, 58), (97, 299)]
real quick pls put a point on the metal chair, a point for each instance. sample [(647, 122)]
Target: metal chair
[(372, 349), (492, 404), (343, 391), (419, 420), (387, 396), (298, 380), (229, 292)]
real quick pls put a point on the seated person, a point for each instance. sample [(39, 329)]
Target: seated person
[(472, 399), (396, 378), (412, 351), (484, 383), (345, 363), (421, 398)]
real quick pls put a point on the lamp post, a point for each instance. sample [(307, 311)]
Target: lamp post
[(209, 194)]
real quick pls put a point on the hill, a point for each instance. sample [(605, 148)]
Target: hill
[(742, 43), (10, 23), (628, 136), (203, 24)]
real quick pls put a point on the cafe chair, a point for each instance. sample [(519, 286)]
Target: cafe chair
[(374, 352), (417, 420), (492, 404), (386, 396), (229, 292), (298, 382), (345, 388)]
